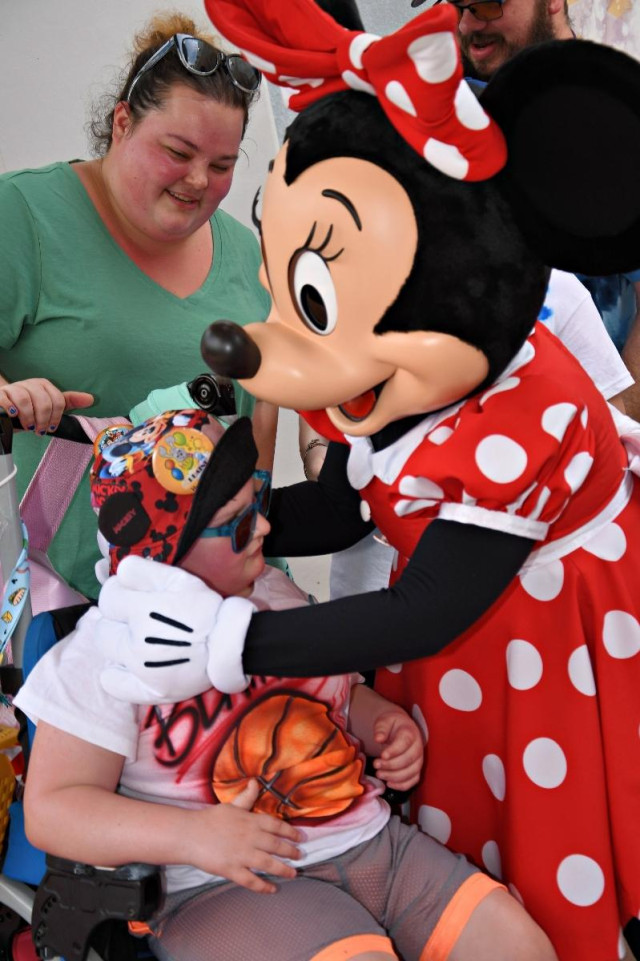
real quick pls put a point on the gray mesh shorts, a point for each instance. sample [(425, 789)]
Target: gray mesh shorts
[(401, 885)]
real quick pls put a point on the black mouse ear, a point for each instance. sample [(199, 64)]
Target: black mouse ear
[(570, 112)]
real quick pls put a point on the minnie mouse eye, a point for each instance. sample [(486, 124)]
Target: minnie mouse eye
[(313, 292)]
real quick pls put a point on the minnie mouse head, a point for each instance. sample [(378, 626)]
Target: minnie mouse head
[(406, 251)]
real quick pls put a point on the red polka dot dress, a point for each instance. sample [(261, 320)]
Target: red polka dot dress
[(532, 717)]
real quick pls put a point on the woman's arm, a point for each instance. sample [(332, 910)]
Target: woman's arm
[(317, 517), (72, 810), (265, 424)]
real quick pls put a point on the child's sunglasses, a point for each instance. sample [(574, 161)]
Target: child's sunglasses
[(200, 58), (482, 9), (241, 528)]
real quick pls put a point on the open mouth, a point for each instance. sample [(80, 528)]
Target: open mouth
[(182, 199), (359, 408)]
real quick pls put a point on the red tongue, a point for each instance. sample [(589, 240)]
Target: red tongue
[(359, 407)]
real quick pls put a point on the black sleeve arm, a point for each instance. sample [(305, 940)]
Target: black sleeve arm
[(456, 573), (317, 517)]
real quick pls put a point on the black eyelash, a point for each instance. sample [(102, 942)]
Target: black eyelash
[(255, 220), (318, 250)]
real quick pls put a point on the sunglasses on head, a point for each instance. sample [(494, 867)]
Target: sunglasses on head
[(200, 58), (482, 9), (241, 528)]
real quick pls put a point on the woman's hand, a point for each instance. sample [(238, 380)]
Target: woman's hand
[(38, 403), (402, 749), (234, 842)]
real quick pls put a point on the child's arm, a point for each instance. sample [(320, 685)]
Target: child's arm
[(71, 811), (389, 735)]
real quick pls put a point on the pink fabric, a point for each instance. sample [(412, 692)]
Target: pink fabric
[(416, 74), (44, 505)]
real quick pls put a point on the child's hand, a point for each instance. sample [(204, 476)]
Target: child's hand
[(402, 749), (234, 842)]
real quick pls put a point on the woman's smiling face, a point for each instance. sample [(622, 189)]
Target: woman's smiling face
[(169, 171)]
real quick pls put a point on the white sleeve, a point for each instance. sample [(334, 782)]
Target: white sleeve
[(574, 318), (64, 690)]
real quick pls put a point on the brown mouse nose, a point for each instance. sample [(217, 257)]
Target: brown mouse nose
[(229, 351)]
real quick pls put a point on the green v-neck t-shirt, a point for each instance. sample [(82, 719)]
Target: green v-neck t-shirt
[(75, 309)]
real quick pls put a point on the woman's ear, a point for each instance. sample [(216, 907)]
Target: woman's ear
[(121, 121), (570, 112)]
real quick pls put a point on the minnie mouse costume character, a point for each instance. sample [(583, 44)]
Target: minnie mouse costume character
[(406, 233)]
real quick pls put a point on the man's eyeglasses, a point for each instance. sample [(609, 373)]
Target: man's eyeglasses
[(482, 9), (241, 528), (200, 58)]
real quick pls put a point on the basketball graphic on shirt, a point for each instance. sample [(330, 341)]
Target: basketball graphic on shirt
[(303, 761)]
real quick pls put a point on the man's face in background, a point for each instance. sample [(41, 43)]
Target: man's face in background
[(488, 44)]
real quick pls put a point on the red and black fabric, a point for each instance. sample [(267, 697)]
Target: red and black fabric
[(156, 486)]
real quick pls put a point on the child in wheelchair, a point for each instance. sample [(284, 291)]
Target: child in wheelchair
[(241, 796)]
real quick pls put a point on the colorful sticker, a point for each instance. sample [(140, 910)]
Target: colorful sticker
[(180, 458)]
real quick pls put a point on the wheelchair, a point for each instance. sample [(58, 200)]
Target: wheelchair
[(69, 910)]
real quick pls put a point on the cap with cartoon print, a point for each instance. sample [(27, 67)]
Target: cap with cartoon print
[(156, 486)]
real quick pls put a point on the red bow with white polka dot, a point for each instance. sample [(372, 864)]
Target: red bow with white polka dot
[(416, 74)]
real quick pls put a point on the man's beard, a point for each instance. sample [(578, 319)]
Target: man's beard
[(540, 31)]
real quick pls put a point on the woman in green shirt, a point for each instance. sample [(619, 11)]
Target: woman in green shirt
[(110, 269)]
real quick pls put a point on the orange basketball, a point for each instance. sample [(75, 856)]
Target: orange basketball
[(306, 766)]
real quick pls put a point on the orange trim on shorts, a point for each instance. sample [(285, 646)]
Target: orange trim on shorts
[(456, 914), (354, 945)]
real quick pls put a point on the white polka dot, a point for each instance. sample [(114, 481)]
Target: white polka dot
[(494, 775), (365, 511), (440, 435), (402, 508), (622, 946), (435, 822), (356, 83), (418, 717), (420, 487), (446, 158), (491, 858), (609, 544), (468, 109), (577, 470), (500, 458), (621, 634), (358, 46), (581, 671), (545, 763), (584, 417), (264, 65), (460, 690), (557, 418), (581, 880), (544, 583), (545, 494), (302, 81), (524, 665), (435, 56), (394, 668), (397, 94), (507, 384), (516, 894)]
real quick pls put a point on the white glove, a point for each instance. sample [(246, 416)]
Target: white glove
[(155, 628)]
